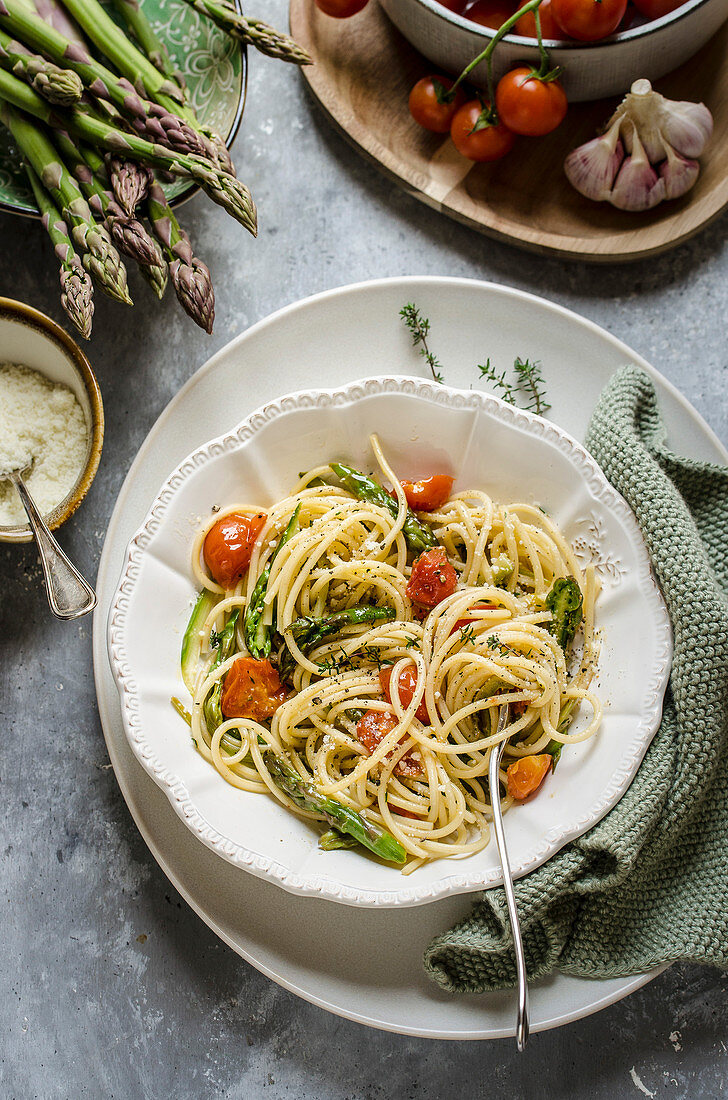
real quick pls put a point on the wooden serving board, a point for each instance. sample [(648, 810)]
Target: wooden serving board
[(362, 77)]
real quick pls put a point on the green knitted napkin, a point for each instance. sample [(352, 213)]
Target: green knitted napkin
[(649, 883)]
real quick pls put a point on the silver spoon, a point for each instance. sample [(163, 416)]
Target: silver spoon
[(500, 836), (69, 595)]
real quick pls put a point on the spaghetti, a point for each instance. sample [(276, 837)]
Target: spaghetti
[(356, 668)]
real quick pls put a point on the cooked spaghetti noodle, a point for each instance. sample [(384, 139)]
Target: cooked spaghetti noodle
[(423, 777)]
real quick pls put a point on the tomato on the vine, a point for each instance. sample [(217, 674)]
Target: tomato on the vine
[(588, 20), (530, 105), (341, 9), (654, 9), (526, 25), (489, 13), (491, 142), (426, 103)]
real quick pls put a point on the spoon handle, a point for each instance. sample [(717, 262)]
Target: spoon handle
[(69, 595), (496, 755)]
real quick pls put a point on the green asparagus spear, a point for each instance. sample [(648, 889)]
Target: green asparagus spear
[(225, 649), (190, 276), (100, 256), (564, 601), (555, 747), (76, 286), (190, 643), (252, 32), (417, 536), (56, 84), (333, 839), (308, 631), (257, 635), (225, 190), (304, 793), (150, 42)]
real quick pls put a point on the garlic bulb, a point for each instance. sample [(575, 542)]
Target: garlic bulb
[(661, 138)]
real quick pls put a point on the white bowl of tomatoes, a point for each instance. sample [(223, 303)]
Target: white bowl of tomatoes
[(611, 42)]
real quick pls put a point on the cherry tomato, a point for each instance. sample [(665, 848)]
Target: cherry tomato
[(428, 494), (373, 727), (628, 18), (489, 13), (407, 685), (252, 689), (528, 105), (526, 25), (341, 9), (654, 9), (456, 6), (229, 546), (432, 578), (588, 20), (490, 143), (463, 624), (425, 107), (527, 774)]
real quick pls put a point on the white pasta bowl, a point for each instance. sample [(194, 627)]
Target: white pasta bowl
[(592, 70), (423, 427)]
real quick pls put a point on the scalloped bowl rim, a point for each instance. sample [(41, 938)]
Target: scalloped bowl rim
[(452, 882)]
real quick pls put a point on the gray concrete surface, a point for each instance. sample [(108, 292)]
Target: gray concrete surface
[(109, 985)]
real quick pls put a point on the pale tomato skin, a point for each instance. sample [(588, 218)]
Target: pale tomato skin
[(373, 727), (432, 579), (529, 106), (425, 107), (526, 775), (228, 546), (407, 685), (588, 20), (429, 493), (251, 689), (483, 146), (341, 9)]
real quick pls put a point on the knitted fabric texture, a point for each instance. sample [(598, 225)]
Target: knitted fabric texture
[(649, 883)]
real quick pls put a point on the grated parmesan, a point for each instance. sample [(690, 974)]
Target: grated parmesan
[(40, 421)]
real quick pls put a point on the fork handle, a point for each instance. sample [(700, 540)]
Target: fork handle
[(69, 595)]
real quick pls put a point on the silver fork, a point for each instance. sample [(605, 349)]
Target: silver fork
[(493, 781)]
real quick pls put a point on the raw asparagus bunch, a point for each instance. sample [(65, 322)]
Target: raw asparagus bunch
[(253, 32), (190, 276), (57, 85), (77, 293)]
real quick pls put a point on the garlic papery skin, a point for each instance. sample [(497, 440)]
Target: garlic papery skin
[(678, 173), (592, 168), (641, 108), (637, 186), (688, 127)]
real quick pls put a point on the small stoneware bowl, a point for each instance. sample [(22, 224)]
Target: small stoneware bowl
[(592, 70), (31, 339)]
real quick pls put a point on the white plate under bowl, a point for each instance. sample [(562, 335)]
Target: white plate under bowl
[(359, 326), (422, 426)]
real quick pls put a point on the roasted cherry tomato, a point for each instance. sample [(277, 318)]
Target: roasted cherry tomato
[(229, 546), (427, 109), (373, 727), (341, 9), (462, 624), (527, 774), (407, 685), (251, 689), (490, 143), (529, 106), (428, 494), (526, 25), (432, 578), (654, 9), (588, 20), (489, 13)]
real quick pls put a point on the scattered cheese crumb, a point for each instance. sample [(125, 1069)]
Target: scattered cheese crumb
[(40, 421)]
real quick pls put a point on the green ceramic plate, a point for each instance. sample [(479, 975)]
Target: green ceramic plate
[(214, 67)]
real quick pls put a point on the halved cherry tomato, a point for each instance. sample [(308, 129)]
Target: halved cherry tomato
[(407, 685), (229, 544), (432, 578), (588, 20), (491, 142), (426, 107), (251, 689), (489, 13), (461, 624), (654, 9), (341, 9), (526, 25), (528, 105), (429, 493), (373, 727), (527, 774)]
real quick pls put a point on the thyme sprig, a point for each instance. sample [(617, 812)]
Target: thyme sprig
[(419, 326), (528, 388)]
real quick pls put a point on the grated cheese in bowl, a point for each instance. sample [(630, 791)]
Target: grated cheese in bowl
[(40, 421)]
